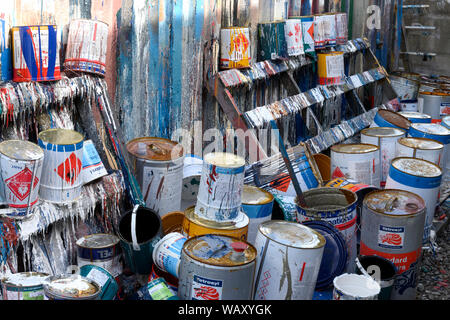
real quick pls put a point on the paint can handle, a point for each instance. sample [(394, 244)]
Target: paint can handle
[(136, 246)]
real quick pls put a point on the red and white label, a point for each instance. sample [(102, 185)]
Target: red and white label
[(19, 184), (70, 169)]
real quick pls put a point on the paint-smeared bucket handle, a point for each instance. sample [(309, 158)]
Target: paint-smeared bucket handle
[(136, 246), (361, 268)]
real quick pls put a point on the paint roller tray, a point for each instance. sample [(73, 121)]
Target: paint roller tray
[(335, 254)]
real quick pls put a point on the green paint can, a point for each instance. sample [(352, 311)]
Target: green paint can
[(103, 278), (272, 41)]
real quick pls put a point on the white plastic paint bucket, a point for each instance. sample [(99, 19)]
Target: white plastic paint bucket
[(167, 253), (350, 286), (420, 148)]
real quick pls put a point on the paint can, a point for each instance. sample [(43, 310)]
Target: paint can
[(235, 50), (280, 9), (320, 40), (61, 179), (23, 286), (108, 285), (406, 88), (385, 138), (21, 162), (193, 225), (392, 227), (92, 165), (359, 162), (409, 105), (289, 257), (35, 53), (420, 177), (420, 148), (324, 164), (446, 122), (167, 252), (257, 204), (331, 68), (139, 231), (171, 281), (436, 104), (415, 117), (216, 267), (220, 191), (387, 118), (172, 222), (158, 165), (294, 37), (308, 34), (341, 28), (71, 287), (350, 286), (330, 29), (379, 267), (272, 41), (336, 206), (102, 250), (87, 46)]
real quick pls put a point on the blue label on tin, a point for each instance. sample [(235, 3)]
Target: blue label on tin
[(228, 170), (307, 174), (414, 181), (341, 216), (96, 254), (255, 211), (60, 147)]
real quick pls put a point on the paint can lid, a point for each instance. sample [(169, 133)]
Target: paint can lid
[(225, 160), (394, 118), (254, 195), (21, 150), (446, 122), (394, 202), (61, 136), (421, 143), (98, 241), (71, 287), (417, 167), (355, 148), (334, 258), (431, 128), (25, 279), (414, 115), (383, 132), (219, 250), (153, 148)]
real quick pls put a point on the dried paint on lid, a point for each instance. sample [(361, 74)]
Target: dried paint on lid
[(417, 167), (25, 279), (225, 160), (395, 202), (421, 143), (395, 118), (254, 195), (98, 241), (432, 128), (61, 136), (21, 150), (355, 148), (292, 234), (218, 250), (414, 115), (383, 132), (72, 286), (153, 148), (240, 222)]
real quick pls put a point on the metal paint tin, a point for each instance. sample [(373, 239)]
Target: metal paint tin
[(71, 287), (171, 281), (385, 138), (138, 239), (308, 34), (272, 41), (359, 162), (167, 252), (257, 204), (320, 39), (216, 267), (341, 28), (108, 285), (294, 37), (61, 179), (409, 105), (235, 48), (392, 227), (406, 88), (193, 225), (102, 250), (330, 29), (436, 104), (350, 286), (288, 262), (387, 118), (158, 165), (172, 222), (93, 167), (87, 46), (336, 206), (21, 162), (420, 148), (220, 190), (415, 117), (23, 286), (420, 177), (331, 68), (35, 53)]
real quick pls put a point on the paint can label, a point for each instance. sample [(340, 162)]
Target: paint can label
[(158, 289), (445, 109), (293, 35), (235, 48), (24, 294), (168, 253), (112, 265), (99, 277), (308, 34), (391, 237), (93, 167), (206, 289)]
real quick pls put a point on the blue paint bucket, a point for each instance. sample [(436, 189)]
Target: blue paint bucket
[(103, 278), (334, 259), (139, 231), (387, 118), (416, 117)]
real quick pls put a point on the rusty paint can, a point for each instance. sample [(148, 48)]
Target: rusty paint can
[(216, 267), (71, 287), (167, 252), (385, 138), (288, 263), (257, 204), (23, 286), (235, 48), (359, 162), (331, 68), (21, 163), (61, 178), (341, 28), (35, 53), (387, 118), (420, 177), (392, 227), (308, 34), (87, 46), (193, 225), (158, 165), (415, 117), (172, 222), (220, 191), (294, 37), (420, 148)]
